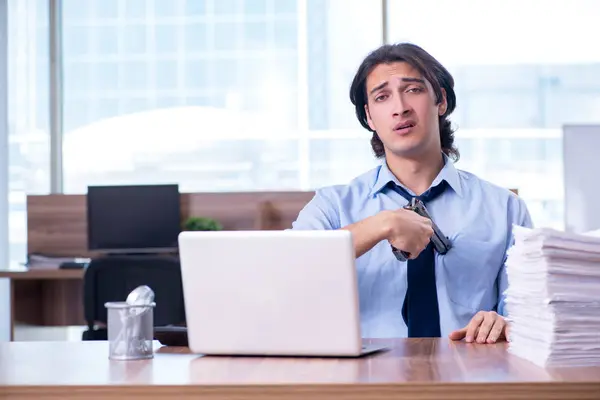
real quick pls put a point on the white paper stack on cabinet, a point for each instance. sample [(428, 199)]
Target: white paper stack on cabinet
[(553, 297)]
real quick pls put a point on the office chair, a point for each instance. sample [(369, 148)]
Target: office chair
[(112, 278)]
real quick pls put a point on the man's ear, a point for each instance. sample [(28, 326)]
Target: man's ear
[(369, 120), (443, 105)]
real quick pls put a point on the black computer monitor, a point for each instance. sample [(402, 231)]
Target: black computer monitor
[(133, 219)]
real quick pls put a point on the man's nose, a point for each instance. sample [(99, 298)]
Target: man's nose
[(401, 107)]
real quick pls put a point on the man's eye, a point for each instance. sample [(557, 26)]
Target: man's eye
[(381, 97), (415, 90)]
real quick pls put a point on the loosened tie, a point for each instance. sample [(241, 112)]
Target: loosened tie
[(420, 310)]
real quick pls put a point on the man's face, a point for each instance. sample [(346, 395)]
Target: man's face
[(401, 108)]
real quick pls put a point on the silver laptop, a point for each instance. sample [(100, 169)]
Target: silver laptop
[(280, 293)]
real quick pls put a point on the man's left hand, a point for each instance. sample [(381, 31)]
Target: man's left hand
[(485, 327)]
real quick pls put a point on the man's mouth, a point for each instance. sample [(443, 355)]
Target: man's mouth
[(404, 125)]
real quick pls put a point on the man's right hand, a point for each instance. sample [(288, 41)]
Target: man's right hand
[(404, 229), (407, 230)]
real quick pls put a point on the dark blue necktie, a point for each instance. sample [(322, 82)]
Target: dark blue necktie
[(420, 310)]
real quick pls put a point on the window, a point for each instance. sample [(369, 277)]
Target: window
[(105, 77), (134, 39), (226, 7), (104, 108), (28, 115), (166, 75), (196, 75), (285, 33), (100, 8), (76, 39), (258, 7), (104, 39), (80, 71), (163, 8), (79, 110), (165, 39), (255, 35), (196, 37), (257, 90), (226, 77), (514, 90), (226, 36), (195, 8), (325, 169), (285, 6), (132, 104), (134, 76), (135, 8), (227, 97)]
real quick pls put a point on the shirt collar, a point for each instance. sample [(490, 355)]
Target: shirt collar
[(448, 173)]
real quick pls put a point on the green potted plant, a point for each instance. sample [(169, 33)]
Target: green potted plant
[(202, 224)]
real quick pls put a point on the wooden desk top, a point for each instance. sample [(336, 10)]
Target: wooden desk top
[(41, 274), (411, 369)]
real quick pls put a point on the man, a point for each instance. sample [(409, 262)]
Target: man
[(404, 97)]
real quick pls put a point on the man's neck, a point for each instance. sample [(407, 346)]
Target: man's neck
[(416, 174)]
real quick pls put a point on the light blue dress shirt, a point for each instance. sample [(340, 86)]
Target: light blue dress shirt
[(476, 215)]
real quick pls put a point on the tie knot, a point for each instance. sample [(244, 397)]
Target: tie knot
[(427, 196)]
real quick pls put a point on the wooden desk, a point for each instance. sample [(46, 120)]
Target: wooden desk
[(412, 369), (47, 297)]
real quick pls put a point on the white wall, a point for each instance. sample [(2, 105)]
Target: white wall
[(4, 284), (581, 177)]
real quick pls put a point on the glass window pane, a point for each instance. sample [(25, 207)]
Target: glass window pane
[(135, 8), (285, 6), (257, 7), (255, 35), (483, 109), (285, 34), (196, 37), (28, 115), (205, 63), (74, 14), (225, 74), (254, 73), (79, 77), (165, 39), (226, 35), (101, 8), (105, 40), (76, 39), (166, 75), (134, 39), (131, 105), (514, 90), (195, 7), (105, 76), (169, 101), (134, 75), (196, 75), (78, 114), (104, 108), (202, 101), (166, 8), (325, 155), (226, 7)]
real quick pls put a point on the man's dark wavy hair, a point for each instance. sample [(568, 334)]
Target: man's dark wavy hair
[(429, 67)]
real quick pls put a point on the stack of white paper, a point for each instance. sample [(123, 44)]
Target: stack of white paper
[(553, 297)]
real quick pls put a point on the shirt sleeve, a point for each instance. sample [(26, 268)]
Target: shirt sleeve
[(318, 214), (519, 215)]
